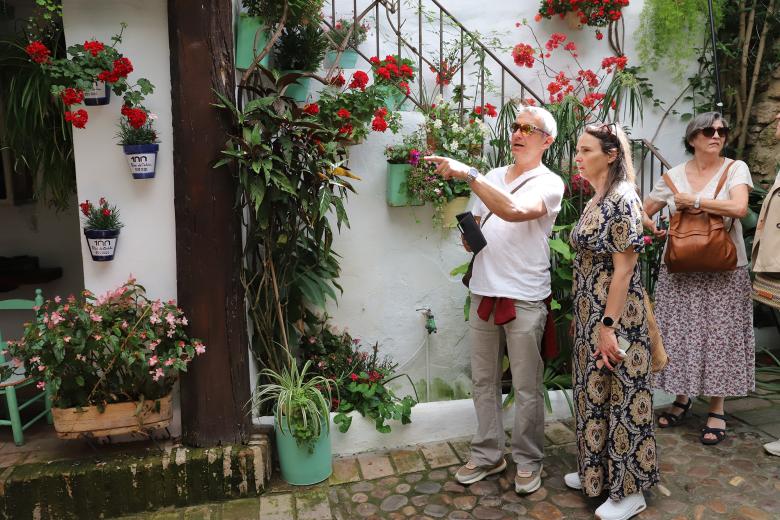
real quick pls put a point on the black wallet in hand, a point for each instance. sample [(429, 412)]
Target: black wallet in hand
[(472, 234)]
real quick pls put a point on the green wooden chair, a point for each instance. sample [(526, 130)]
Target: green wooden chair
[(20, 379)]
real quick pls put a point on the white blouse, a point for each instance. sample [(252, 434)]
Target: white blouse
[(739, 174)]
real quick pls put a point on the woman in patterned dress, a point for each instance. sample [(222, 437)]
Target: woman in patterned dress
[(613, 404), (706, 319)]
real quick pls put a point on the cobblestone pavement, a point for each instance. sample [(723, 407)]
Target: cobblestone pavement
[(734, 480)]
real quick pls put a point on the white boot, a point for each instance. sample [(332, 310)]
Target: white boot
[(621, 509), (572, 480)]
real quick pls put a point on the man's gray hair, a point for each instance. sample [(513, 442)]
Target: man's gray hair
[(698, 123), (542, 114)]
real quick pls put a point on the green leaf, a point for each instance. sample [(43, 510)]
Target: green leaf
[(79, 380), (562, 248)]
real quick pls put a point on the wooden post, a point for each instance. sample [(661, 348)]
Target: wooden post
[(208, 227)]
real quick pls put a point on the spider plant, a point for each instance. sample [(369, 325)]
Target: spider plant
[(302, 401)]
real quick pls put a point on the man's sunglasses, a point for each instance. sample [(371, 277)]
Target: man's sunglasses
[(526, 129), (710, 131)]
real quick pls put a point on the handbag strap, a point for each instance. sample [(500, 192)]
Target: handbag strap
[(721, 181), (526, 181)]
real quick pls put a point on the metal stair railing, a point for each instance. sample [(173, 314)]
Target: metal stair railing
[(393, 9)]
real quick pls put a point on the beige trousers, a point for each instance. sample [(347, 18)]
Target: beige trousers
[(523, 338)]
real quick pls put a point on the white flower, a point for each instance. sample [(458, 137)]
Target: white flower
[(440, 99), (437, 124), (454, 146), (445, 145), (455, 127)]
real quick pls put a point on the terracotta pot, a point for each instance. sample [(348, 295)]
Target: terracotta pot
[(573, 20), (116, 419)]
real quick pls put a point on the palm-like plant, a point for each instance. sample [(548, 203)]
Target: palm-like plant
[(302, 401)]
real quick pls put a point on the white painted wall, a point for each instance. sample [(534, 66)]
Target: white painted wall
[(394, 261), (147, 243)]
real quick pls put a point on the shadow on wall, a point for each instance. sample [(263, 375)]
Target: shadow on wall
[(55, 239)]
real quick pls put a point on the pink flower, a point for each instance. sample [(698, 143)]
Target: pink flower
[(97, 337), (66, 339), (41, 368), (35, 359), (169, 362), (124, 325), (159, 373), (647, 240), (153, 361), (199, 348), (95, 317), (171, 319), (41, 385), (184, 321), (57, 299), (154, 318)]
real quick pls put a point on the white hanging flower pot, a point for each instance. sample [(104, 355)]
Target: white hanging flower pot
[(102, 243), (142, 159), (99, 94)]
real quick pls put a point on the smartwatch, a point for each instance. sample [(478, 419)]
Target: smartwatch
[(608, 322), (472, 175)]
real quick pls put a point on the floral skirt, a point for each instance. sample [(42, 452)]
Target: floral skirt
[(706, 322)]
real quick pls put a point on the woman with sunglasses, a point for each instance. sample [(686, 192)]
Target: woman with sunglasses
[(613, 404), (705, 319)]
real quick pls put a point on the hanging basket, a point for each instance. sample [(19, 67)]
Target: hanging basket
[(397, 191), (299, 89), (142, 159), (251, 38), (99, 94), (115, 419), (348, 59), (102, 243)]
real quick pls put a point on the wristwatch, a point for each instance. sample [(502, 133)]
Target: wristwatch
[(607, 322), (697, 202), (472, 175)]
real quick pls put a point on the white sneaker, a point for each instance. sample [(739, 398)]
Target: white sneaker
[(621, 509), (773, 447), (572, 480)]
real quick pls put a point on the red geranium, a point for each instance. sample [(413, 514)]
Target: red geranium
[(380, 112), (78, 118), (405, 87), (312, 109), (382, 71), (93, 47), (106, 212), (343, 113), (379, 124), (491, 110), (123, 67), (339, 80), (136, 117), (72, 96), (38, 52), (85, 207), (359, 80), (345, 129)]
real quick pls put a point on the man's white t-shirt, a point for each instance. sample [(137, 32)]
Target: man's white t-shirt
[(738, 174), (516, 261)]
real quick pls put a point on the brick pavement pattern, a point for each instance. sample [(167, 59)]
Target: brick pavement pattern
[(734, 480)]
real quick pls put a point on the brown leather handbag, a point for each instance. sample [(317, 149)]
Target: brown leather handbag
[(698, 242)]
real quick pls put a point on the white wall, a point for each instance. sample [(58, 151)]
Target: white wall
[(394, 261), (147, 243)]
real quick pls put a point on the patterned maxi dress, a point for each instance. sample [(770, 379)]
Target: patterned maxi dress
[(616, 448)]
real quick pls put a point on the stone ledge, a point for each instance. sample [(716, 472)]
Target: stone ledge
[(120, 484)]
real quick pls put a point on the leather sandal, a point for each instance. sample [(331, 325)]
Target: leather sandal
[(673, 419), (719, 433)]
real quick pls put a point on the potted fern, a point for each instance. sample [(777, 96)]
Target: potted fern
[(301, 421)]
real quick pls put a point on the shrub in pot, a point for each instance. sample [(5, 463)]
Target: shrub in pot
[(109, 362), (139, 141), (400, 160), (301, 421), (101, 228), (300, 49)]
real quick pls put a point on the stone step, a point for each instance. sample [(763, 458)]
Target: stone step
[(112, 485)]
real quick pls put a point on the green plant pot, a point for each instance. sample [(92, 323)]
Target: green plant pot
[(299, 466), (348, 59), (394, 99), (299, 90), (397, 192), (250, 37)]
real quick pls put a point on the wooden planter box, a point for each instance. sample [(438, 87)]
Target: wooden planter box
[(116, 419)]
